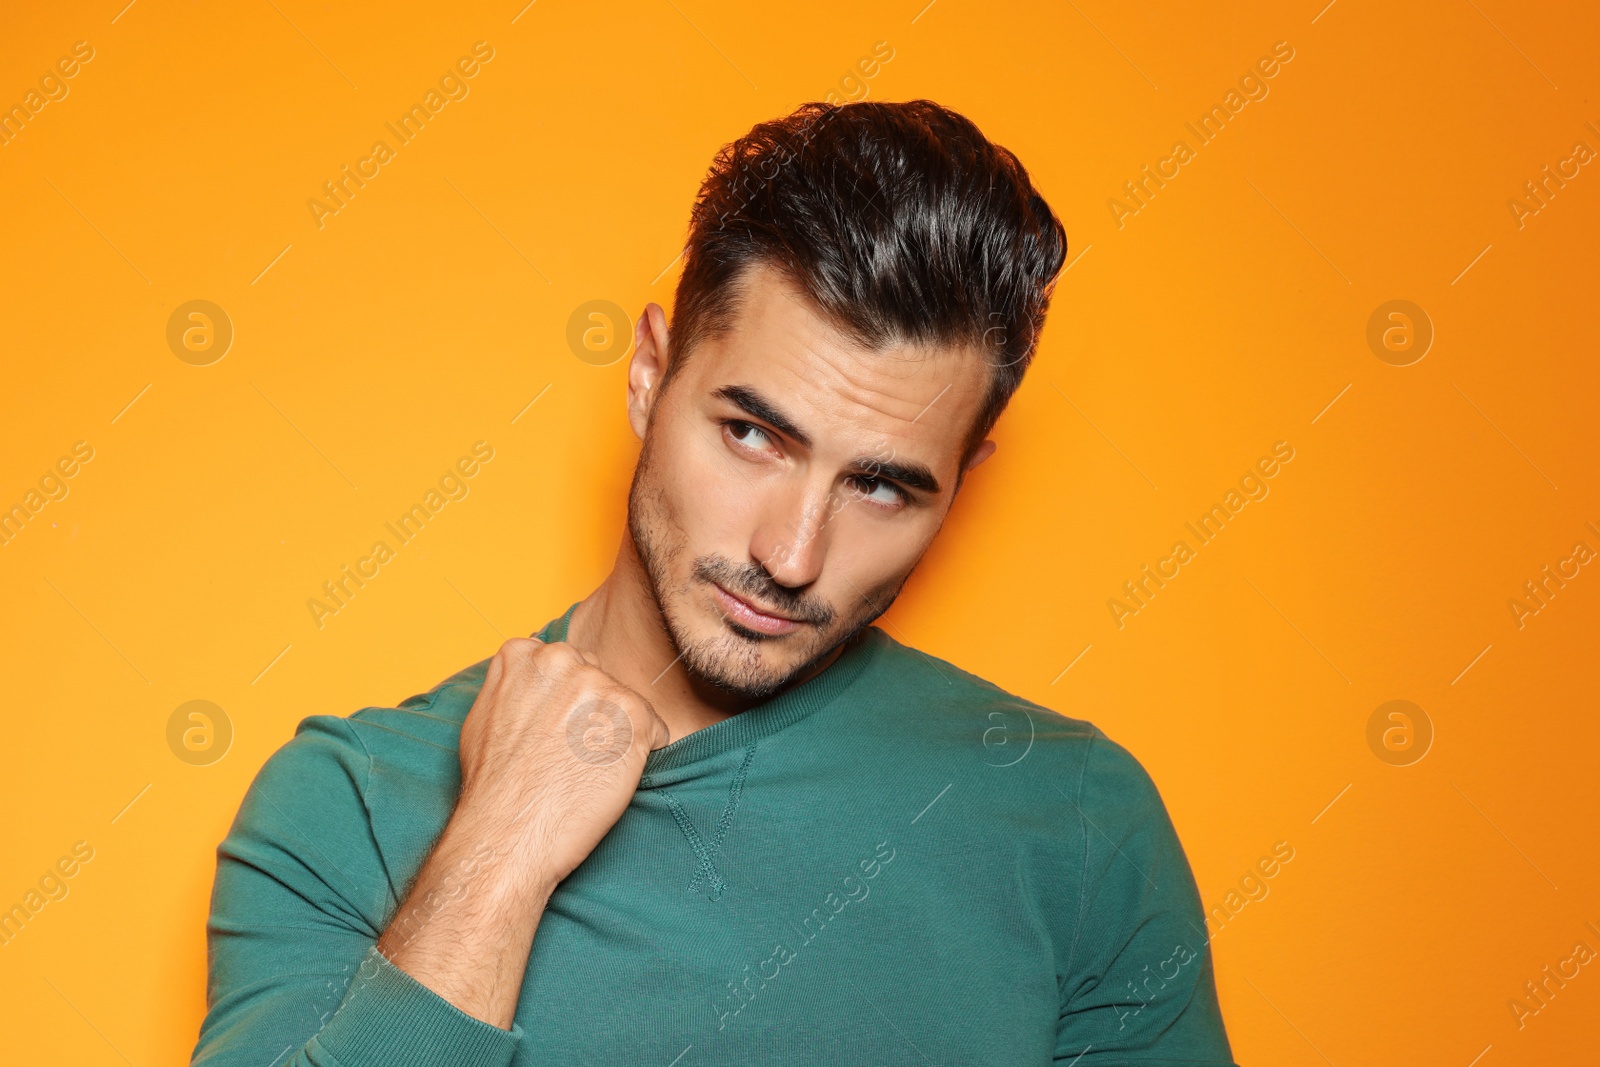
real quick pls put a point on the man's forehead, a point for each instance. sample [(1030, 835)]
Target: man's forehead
[(782, 347)]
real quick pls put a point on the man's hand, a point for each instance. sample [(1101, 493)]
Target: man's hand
[(551, 753)]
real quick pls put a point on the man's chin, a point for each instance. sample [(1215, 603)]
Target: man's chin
[(752, 668), (749, 675)]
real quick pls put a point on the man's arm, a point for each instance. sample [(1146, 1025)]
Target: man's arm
[(1140, 985), (300, 974), (551, 753)]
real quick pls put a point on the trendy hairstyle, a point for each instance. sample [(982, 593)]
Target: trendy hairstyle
[(901, 221)]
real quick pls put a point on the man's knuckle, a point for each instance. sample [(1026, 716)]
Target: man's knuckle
[(560, 656), (637, 707), (517, 648)]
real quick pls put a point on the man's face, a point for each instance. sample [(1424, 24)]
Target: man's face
[(788, 483)]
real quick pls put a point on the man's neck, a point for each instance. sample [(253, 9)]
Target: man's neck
[(621, 625)]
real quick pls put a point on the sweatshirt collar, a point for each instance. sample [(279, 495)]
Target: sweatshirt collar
[(751, 725)]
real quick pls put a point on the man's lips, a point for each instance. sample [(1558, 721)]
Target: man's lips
[(748, 615)]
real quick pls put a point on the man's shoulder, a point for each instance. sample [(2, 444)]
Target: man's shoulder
[(945, 702), (931, 691), (431, 717), (387, 776), (415, 738)]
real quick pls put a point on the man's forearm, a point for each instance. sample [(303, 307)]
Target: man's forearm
[(466, 928)]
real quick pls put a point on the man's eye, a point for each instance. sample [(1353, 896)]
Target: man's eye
[(871, 488), (741, 431)]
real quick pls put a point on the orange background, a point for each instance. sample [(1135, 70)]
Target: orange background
[(1229, 313)]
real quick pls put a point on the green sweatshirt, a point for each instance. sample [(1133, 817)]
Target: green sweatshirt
[(894, 862)]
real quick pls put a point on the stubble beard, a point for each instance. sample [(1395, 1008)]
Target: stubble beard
[(731, 662)]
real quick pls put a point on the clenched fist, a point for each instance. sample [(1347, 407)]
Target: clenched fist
[(552, 751)]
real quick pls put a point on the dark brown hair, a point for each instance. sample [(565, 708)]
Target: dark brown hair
[(901, 221)]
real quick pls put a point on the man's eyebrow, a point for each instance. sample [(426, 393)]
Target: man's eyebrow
[(754, 404), (911, 475)]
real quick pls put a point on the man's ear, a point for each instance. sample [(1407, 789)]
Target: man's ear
[(649, 363), (984, 451)]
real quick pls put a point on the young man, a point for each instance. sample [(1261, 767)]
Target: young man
[(710, 814)]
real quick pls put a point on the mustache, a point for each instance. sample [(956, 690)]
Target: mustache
[(755, 583)]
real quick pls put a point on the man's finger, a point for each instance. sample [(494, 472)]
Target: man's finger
[(660, 736)]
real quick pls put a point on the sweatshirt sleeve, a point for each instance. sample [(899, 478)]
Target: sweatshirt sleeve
[(1140, 988), (300, 898)]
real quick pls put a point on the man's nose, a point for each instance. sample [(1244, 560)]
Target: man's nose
[(792, 538)]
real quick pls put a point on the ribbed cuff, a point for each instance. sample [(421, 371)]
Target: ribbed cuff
[(392, 1020)]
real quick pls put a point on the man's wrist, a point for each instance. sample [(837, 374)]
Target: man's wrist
[(503, 862)]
